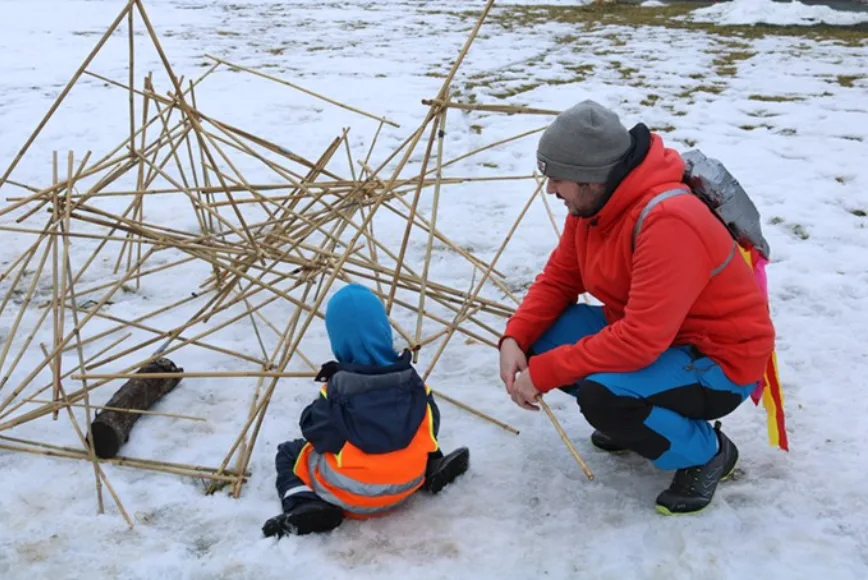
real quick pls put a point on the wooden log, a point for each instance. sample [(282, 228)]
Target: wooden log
[(110, 428)]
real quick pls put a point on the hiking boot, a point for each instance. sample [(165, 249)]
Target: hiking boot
[(606, 443), (444, 469), (692, 488), (312, 516)]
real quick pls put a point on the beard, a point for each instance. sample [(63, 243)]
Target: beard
[(591, 210)]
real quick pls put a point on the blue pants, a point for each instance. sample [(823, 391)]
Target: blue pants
[(661, 411)]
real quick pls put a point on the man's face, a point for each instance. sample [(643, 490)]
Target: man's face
[(581, 199)]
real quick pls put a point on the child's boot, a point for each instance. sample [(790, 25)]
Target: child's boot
[(443, 470), (306, 517)]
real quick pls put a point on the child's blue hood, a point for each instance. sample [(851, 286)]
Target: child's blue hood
[(358, 328)]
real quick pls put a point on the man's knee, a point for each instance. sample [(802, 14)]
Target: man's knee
[(621, 417), (608, 411)]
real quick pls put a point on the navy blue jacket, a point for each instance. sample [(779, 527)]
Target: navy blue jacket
[(376, 408)]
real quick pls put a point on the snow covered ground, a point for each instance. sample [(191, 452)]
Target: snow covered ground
[(787, 115)]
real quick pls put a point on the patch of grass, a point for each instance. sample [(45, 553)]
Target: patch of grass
[(650, 100), (476, 129), (800, 231), (360, 24), (852, 138), (663, 129), (776, 220), (713, 89), (580, 69), (490, 165), (754, 127), (762, 113), (859, 212), (787, 132), (846, 81), (517, 90), (775, 98), (275, 51), (727, 64), (615, 39), (588, 17)]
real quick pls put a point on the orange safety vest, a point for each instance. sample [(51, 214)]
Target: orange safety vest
[(366, 485)]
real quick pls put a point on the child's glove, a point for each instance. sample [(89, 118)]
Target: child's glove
[(327, 371)]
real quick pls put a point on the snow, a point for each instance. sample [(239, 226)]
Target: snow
[(791, 124), (738, 12)]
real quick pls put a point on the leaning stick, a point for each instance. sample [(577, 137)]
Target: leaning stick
[(66, 90), (55, 285), (161, 466), (508, 109), (309, 92), (60, 404), (401, 253), (198, 375), (32, 397), (69, 336), (475, 412), (565, 439), (485, 277), (430, 245)]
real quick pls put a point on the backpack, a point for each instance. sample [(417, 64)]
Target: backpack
[(710, 181)]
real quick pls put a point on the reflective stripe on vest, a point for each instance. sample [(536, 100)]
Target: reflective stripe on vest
[(316, 463), (663, 197)]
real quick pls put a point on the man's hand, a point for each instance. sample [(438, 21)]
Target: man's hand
[(512, 361), (524, 392)]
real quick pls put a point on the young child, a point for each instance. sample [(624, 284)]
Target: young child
[(370, 438)]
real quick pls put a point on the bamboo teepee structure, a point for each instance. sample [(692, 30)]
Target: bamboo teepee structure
[(269, 253)]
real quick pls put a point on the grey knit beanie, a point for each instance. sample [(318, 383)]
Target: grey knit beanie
[(582, 144)]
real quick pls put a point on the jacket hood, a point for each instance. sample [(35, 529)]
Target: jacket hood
[(358, 328), (648, 166)]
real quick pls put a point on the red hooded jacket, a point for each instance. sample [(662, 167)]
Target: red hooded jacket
[(660, 295)]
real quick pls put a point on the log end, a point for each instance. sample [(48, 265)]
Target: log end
[(105, 440)]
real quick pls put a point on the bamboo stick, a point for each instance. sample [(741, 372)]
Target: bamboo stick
[(430, 245), (409, 227), (67, 339), (302, 89), (30, 398), (132, 87), (98, 471), (160, 466), (485, 276), (508, 109), (565, 439), (67, 278), (198, 375), (55, 285), (66, 90), (60, 404), (191, 117)]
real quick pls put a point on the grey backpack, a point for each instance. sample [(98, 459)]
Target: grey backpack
[(710, 181)]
